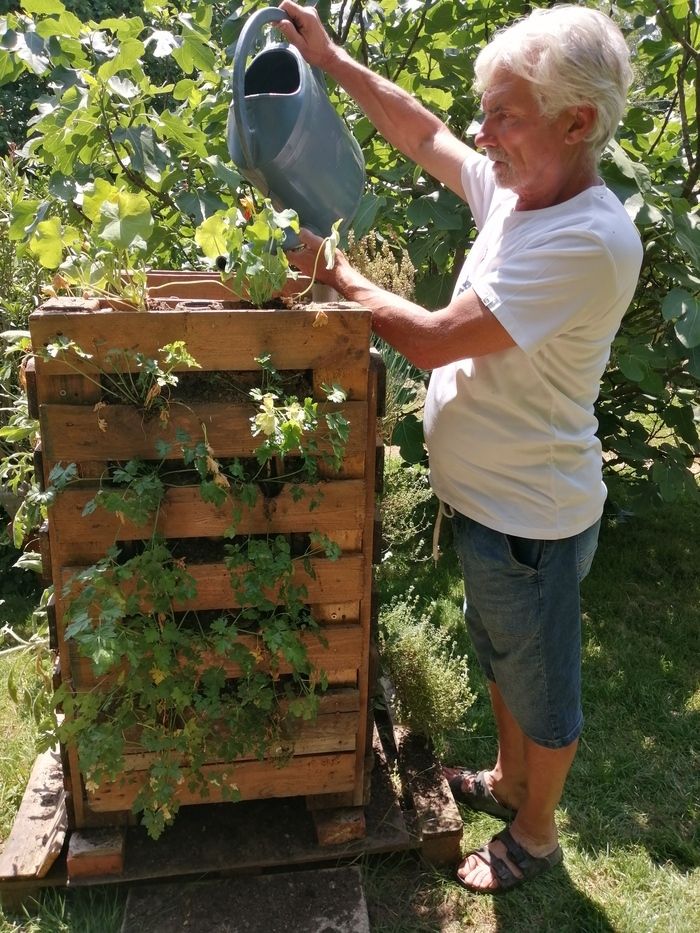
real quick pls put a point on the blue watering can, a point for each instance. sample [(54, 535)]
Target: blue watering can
[(286, 138)]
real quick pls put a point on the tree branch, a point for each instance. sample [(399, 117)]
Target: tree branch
[(679, 37), (411, 44)]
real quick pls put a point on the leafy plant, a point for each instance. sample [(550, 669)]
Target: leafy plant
[(180, 687), (429, 675)]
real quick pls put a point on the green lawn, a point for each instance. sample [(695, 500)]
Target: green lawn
[(630, 817)]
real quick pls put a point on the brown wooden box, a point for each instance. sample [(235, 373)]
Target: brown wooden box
[(331, 341)]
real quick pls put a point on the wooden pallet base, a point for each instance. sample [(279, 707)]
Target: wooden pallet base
[(255, 836)]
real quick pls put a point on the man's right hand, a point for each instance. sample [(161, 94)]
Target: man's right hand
[(305, 31)]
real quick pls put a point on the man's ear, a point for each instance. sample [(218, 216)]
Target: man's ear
[(582, 119)]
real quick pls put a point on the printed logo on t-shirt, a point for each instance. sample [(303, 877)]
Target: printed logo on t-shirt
[(463, 287)]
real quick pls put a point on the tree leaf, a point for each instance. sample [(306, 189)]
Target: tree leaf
[(49, 241), (123, 88), (163, 42), (441, 208), (125, 221), (47, 7), (148, 154), (688, 326)]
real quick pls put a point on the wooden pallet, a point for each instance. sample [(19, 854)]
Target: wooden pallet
[(410, 809), (332, 344)]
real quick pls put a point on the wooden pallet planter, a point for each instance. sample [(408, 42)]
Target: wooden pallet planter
[(331, 344)]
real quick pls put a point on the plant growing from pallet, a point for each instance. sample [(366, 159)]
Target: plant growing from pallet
[(164, 678), (209, 551)]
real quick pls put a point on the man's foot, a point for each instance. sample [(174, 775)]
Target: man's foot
[(472, 788), (503, 864)]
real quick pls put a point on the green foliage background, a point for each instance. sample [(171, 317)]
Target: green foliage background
[(129, 139)]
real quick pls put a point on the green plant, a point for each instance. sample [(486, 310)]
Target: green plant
[(429, 675), (182, 687)]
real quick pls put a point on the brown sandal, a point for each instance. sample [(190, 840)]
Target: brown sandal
[(530, 866)]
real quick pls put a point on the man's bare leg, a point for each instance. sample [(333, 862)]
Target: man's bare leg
[(530, 778)]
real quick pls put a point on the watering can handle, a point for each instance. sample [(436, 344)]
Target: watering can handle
[(245, 43)]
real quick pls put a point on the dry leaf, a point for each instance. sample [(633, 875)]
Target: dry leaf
[(321, 319)]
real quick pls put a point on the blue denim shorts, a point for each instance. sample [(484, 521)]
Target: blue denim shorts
[(523, 611)]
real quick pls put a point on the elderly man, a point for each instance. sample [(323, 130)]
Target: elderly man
[(517, 357)]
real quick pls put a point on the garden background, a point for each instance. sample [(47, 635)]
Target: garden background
[(126, 166)]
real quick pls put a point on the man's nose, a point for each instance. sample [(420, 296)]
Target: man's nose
[(484, 135)]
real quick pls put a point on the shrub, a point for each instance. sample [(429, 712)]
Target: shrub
[(429, 675)]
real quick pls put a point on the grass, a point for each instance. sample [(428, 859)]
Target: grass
[(630, 817)]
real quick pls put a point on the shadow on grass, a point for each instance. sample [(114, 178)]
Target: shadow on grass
[(551, 903), (406, 896), (636, 779)]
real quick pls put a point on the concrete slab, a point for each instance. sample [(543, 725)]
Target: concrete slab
[(329, 900)]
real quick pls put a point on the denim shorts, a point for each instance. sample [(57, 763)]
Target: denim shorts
[(523, 611)]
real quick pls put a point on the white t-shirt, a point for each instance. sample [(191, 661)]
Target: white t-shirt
[(511, 435)]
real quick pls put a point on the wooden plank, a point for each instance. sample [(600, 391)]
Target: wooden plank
[(362, 758), (437, 815), (314, 774), (336, 612), (186, 284), (324, 735), (39, 829), (72, 433), (217, 339), (333, 581), (342, 651), (184, 514), (336, 711)]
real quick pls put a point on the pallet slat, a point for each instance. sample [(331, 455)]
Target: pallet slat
[(218, 340), (184, 514), (332, 581), (339, 651), (307, 774), (72, 433)]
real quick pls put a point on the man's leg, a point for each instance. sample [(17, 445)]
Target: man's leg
[(507, 779), (530, 778)]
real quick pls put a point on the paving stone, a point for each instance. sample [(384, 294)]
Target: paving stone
[(328, 900)]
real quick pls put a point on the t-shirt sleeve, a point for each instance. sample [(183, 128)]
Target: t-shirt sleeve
[(543, 291), (478, 184)]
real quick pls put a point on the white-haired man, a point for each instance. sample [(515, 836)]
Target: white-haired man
[(516, 360)]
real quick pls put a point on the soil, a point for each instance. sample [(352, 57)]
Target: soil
[(228, 386)]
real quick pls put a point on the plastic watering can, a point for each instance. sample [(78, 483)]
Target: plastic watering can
[(286, 138)]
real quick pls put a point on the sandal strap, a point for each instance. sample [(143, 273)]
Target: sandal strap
[(529, 865)]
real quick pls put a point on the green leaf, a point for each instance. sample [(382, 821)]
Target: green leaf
[(123, 88), (148, 155), (47, 7), (163, 43), (441, 208), (408, 435), (694, 362), (636, 171), (366, 214), (125, 221), (669, 477), (31, 49), (688, 327), (49, 241), (129, 54), (199, 204)]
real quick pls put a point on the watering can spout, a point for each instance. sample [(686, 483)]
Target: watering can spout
[(286, 138)]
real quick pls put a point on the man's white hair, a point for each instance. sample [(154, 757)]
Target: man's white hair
[(573, 56)]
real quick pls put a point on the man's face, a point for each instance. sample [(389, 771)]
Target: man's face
[(528, 150)]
